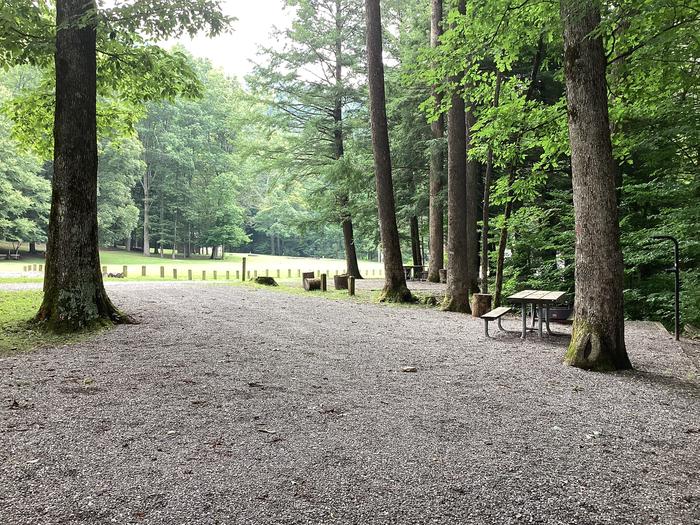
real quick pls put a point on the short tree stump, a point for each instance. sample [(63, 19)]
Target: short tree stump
[(340, 282), (481, 304), (267, 281)]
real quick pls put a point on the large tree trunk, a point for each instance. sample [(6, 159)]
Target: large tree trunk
[(437, 166), (395, 288), (473, 199), (598, 337), (487, 201), (74, 295), (415, 242), (458, 263), (352, 267)]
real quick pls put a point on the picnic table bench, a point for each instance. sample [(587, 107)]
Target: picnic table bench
[(540, 301), (414, 272), (495, 315)]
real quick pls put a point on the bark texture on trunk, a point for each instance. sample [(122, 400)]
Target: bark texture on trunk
[(415, 242), (487, 201), (437, 167), (473, 199), (598, 336), (458, 263), (352, 267), (74, 295), (395, 288)]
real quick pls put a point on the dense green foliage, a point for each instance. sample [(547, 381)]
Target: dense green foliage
[(256, 167)]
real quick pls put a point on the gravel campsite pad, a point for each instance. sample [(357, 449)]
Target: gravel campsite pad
[(235, 405)]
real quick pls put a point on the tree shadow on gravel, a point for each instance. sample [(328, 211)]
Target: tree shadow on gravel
[(677, 384)]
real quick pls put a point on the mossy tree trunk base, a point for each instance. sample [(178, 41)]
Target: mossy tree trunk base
[(456, 303), (80, 308), (400, 294), (592, 349)]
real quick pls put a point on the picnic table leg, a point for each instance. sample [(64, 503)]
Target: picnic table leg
[(524, 312), (546, 318), (539, 319)]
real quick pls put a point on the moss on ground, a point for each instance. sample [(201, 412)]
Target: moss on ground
[(18, 332)]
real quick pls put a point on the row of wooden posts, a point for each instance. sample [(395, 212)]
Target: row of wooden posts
[(33, 268), (215, 274)]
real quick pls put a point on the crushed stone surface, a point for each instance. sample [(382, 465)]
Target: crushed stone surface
[(235, 405)]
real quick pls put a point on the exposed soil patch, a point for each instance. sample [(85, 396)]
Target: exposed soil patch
[(236, 405)]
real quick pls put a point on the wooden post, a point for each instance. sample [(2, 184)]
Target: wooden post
[(248, 275), (41, 267), (189, 275), (162, 272), (228, 275), (175, 273), (267, 273), (243, 269), (125, 271), (255, 273), (34, 267), (238, 275), (204, 275), (323, 282), (215, 275), (24, 269), (278, 274), (299, 273), (289, 273), (351, 285), (104, 271), (143, 271)]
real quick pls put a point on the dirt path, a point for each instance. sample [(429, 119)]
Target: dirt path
[(231, 405)]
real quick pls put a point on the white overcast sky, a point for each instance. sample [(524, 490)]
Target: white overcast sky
[(232, 52)]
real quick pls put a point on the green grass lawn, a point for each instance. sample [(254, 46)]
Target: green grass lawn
[(17, 333), (115, 260)]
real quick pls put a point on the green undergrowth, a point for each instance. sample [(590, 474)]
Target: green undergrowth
[(17, 331)]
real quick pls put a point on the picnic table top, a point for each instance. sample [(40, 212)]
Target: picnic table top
[(536, 296)]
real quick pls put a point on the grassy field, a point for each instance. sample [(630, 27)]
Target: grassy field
[(280, 267), (17, 333)]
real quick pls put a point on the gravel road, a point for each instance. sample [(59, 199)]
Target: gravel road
[(234, 405)]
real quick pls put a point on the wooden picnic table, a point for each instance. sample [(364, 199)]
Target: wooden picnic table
[(539, 299), (413, 272)]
